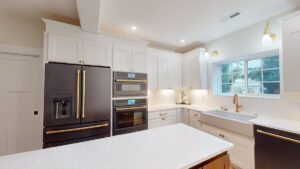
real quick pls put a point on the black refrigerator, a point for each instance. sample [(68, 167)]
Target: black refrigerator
[(77, 103)]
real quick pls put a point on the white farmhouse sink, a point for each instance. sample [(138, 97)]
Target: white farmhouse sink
[(229, 120)]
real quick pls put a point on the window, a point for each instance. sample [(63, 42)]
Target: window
[(251, 76)]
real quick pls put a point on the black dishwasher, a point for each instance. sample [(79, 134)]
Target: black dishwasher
[(276, 149)]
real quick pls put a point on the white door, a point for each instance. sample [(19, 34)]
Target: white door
[(20, 96), (162, 72), (139, 60), (186, 74), (154, 123), (121, 58), (97, 53), (152, 70), (64, 49)]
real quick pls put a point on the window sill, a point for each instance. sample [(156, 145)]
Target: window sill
[(251, 96)]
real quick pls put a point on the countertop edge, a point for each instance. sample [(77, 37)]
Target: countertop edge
[(278, 124)]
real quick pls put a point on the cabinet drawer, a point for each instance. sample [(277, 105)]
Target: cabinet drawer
[(154, 115), (168, 120), (164, 113)]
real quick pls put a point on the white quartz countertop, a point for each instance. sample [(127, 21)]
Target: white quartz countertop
[(178, 106), (292, 126), (171, 147)]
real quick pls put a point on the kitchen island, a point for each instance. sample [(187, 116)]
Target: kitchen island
[(172, 147)]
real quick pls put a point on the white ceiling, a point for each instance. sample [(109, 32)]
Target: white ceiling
[(161, 22)]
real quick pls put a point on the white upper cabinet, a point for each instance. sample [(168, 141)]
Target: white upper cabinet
[(67, 43), (139, 60), (291, 50), (152, 69), (97, 52), (64, 49), (129, 59), (162, 72), (169, 70), (174, 75), (121, 58), (186, 74), (194, 70)]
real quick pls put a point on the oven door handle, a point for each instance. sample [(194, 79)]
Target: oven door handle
[(125, 80), (131, 108)]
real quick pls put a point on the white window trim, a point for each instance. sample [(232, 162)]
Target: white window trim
[(246, 59)]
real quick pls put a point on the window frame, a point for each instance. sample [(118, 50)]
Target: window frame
[(217, 88)]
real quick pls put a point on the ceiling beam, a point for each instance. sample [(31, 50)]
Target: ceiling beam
[(89, 14)]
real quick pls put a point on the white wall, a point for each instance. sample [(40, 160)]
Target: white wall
[(21, 32), (243, 43)]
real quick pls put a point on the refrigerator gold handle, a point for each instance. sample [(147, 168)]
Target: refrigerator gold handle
[(278, 136), (77, 94), (77, 129), (83, 94)]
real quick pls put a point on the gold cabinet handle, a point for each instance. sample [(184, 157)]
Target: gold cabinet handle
[(125, 80), (83, 94), (131, 108), (278, 136), (163, 114), (77, 129), (77, 93)]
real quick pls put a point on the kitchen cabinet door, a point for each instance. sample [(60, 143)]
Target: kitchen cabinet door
[(194, 119), (195, 73), (186, 74), (162, 72), (185, 116), (174, 74), (220, 163), (242, 154), (122, 58), (154, 123), (152, 70), (168, 120), (291, 50), (138, 60), (64, 49), (97, 53), (179, 115)]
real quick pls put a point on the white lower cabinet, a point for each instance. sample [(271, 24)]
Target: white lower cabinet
[(194, 119), (242, 155), (164, 118), (185, 116), (179, 116)]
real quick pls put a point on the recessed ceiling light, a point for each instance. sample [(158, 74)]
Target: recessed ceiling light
[(133, 28), (182, 41)]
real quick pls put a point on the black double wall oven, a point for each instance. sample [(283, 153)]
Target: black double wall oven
[(130, 112), (76, 103)]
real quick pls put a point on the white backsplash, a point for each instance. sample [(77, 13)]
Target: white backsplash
[(162, 97)]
